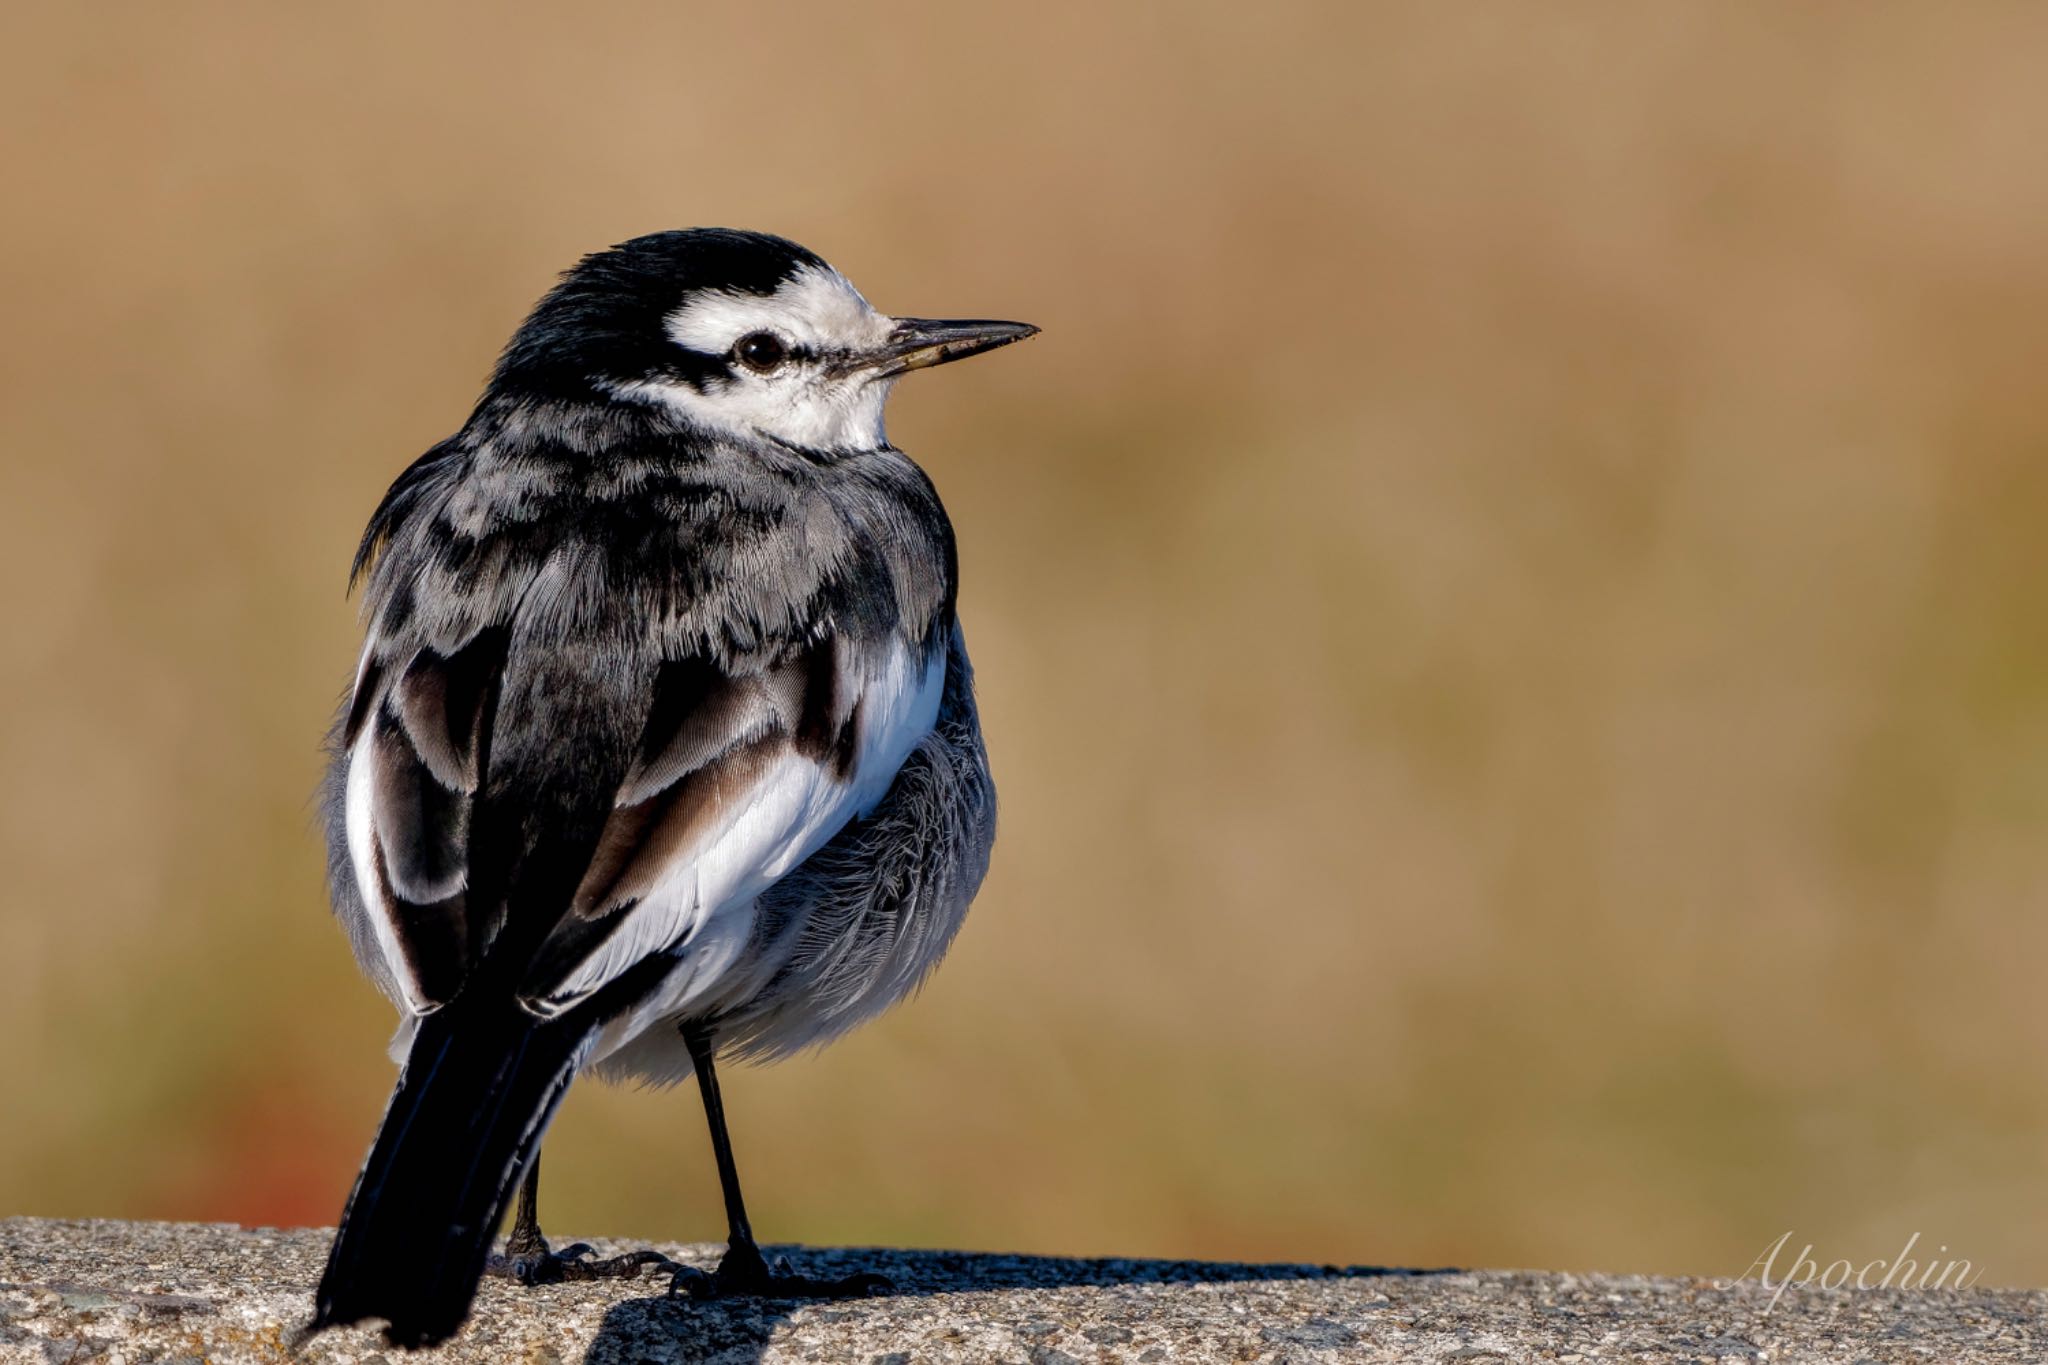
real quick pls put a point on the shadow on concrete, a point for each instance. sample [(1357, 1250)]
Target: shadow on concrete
[(658, 1329)]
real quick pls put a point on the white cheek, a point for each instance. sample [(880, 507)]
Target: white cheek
[(844, 415), (837, 415), (849, 419)]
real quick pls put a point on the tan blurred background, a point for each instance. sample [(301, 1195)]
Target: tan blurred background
[(1509, 600)]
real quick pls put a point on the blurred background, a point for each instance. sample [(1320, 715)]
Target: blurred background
[(1509, 602)]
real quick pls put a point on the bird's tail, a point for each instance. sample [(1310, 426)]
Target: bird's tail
[(478, 1089)]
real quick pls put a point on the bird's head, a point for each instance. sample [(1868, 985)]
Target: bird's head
[(738, 333)]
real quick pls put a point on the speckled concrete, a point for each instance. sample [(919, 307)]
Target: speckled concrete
[(127, 1293)]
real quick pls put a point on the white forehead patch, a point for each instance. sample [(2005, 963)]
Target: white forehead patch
[(816, 307)]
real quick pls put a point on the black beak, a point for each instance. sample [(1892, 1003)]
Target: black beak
[(919, 343)]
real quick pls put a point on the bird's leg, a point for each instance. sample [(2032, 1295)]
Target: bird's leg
[(743, 1270), (525, 1239), (529, 1260)]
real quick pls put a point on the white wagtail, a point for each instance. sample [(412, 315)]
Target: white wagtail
[(662, 744)]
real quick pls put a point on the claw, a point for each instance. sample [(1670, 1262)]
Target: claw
[(699, 1283), (573, 1264), (626, 1267)]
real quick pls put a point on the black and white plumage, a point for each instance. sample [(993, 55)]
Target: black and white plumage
[(663, 737)]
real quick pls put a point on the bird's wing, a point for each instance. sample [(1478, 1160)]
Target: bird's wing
[(737, 778), (415, 744), (562, 813)]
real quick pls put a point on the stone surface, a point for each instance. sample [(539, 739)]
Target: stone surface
[(73, 1292)]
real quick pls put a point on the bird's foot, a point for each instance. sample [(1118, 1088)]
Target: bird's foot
[(745, 1273), (530, 1264)]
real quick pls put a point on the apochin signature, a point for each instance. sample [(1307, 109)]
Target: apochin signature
[(1900, 1272)]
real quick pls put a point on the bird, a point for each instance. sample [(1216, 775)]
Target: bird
[(662, 745)]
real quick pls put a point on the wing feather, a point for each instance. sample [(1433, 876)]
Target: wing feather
[(698, 714), (421, 825), (710, 842), (416, 734)]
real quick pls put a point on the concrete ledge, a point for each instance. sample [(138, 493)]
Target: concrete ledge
[(72, 1292)]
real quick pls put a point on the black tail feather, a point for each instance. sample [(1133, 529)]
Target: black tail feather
[(477, 1091)]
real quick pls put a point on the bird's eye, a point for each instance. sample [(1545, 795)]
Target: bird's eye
[(760, 351)]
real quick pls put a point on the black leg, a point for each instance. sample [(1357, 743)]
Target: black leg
[(744, 1271), (528, 1260), (738, 1229), (525, 1238)]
